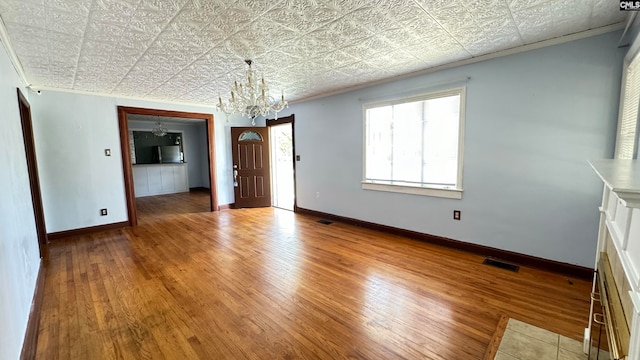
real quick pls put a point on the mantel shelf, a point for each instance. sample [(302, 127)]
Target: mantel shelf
[(622, 177)]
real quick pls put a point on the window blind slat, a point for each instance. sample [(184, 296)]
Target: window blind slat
[(626, 137)]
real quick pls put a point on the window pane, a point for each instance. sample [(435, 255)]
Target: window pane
[(250, 136), (442, 119), (414, 143), (379, 143), (407, 142)]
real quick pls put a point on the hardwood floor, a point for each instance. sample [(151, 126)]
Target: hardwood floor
[(270, 284), (158, 207)]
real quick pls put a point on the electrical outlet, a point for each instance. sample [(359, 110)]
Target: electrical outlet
[(318, 194), (297, 157), (107, 152), (103, 212), (456, 214)]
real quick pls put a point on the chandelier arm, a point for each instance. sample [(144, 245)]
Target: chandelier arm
[(251, 98)]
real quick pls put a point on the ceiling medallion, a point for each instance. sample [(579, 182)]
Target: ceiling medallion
[(251, 98)]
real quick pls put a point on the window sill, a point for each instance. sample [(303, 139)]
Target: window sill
[(443, 193)]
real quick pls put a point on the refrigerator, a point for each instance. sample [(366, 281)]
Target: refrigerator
[(169, 154)]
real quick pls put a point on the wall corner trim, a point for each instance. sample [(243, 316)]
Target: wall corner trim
[(482, 250), (227, 206), (30, 343)]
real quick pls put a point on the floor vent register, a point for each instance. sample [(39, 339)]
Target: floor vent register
[(501, 265)]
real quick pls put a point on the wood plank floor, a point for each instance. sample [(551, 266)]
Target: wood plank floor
[(151, 208), (270, 284)]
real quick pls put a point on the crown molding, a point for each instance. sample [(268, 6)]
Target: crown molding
[(4, 39), (494, 55), (125, 97)]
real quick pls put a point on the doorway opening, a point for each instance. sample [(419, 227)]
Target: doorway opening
[(170, 173), (282, 152), (281, 137), (171, 177)]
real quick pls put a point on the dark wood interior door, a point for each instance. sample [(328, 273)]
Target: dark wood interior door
[(251, 173)]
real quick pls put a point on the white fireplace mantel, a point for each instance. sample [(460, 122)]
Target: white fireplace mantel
[(619, 235)]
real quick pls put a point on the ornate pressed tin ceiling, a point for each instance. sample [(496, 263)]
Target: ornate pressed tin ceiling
[(192, 50)]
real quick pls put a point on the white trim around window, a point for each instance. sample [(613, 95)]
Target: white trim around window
[(409, 177), (435, 192)]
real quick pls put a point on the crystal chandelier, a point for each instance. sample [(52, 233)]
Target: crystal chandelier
[(252, 98), (160, 130)]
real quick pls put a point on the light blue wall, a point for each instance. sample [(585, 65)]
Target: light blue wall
[(532, 121), (71, 132), (19, 253)]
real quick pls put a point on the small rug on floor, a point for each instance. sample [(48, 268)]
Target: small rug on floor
[(517, 340)]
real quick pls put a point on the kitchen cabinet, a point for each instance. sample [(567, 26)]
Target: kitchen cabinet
[(159, 179)]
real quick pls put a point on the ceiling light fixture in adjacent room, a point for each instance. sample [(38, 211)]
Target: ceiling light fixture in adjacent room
[(160, 130), (251, 98)]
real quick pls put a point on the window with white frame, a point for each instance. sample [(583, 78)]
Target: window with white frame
[(628, 118), (414, 145)]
